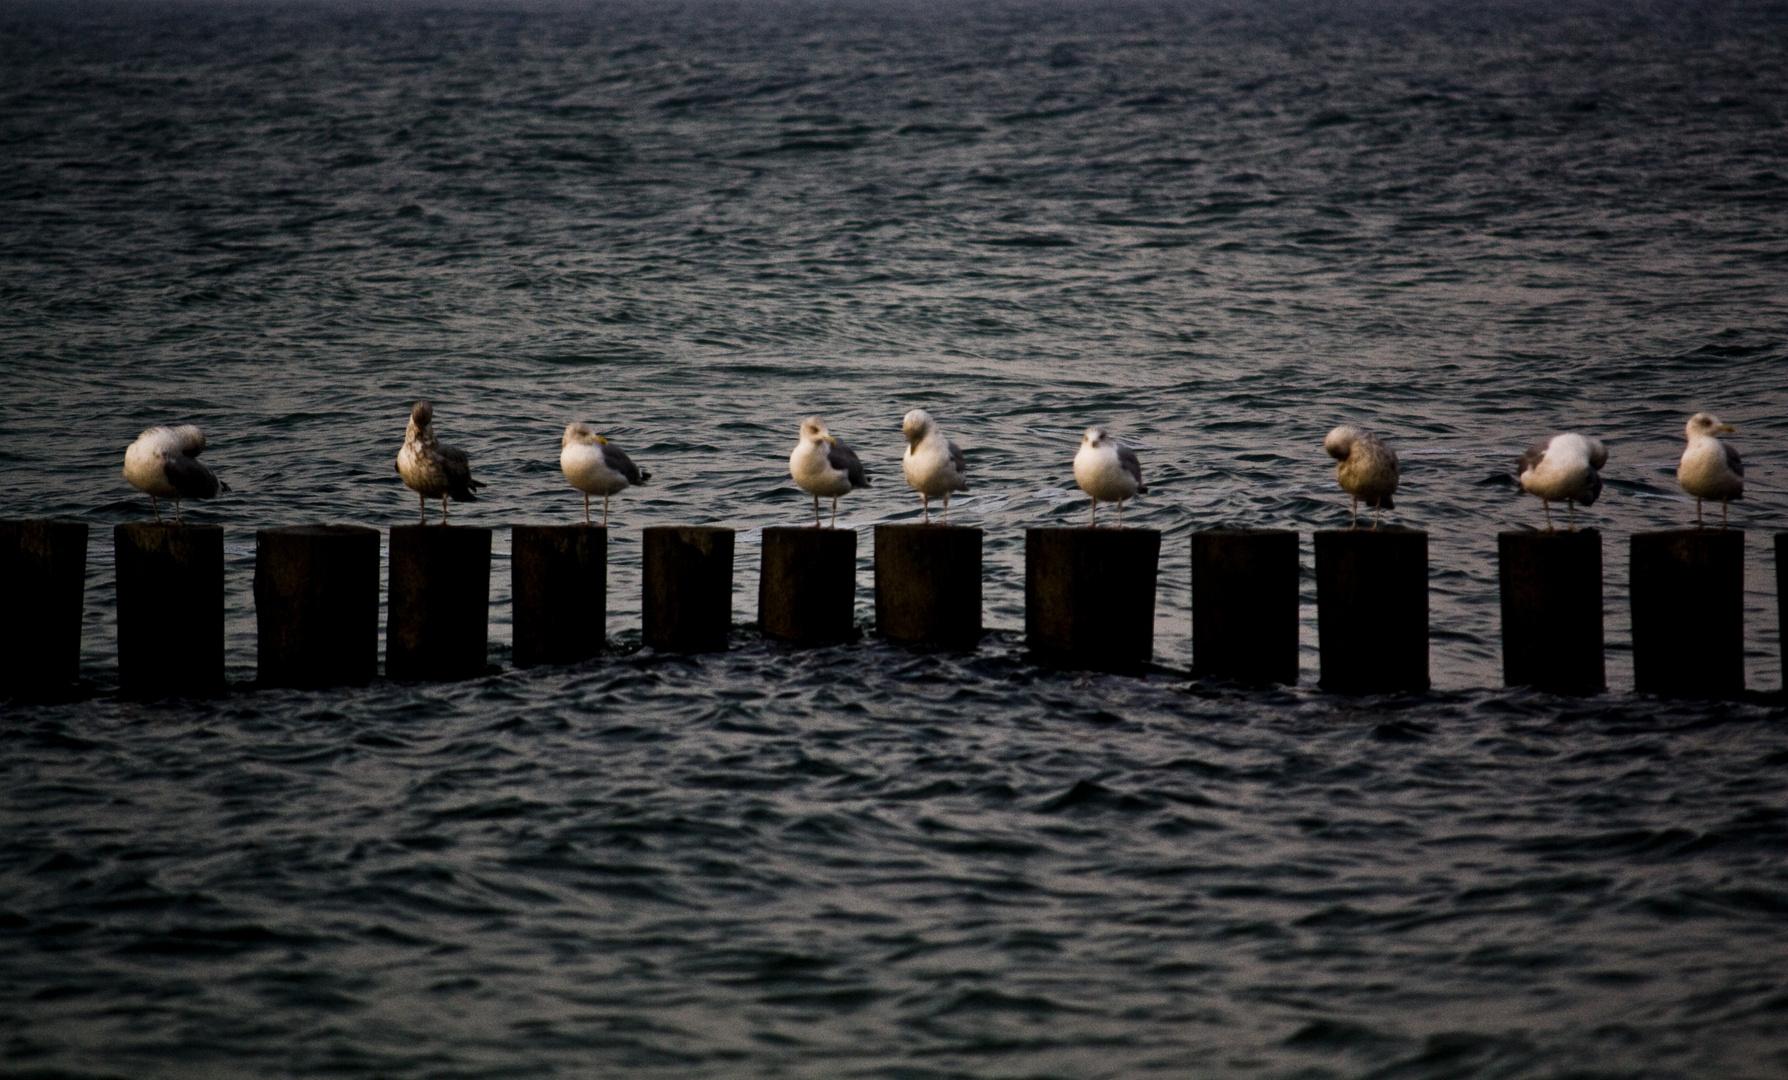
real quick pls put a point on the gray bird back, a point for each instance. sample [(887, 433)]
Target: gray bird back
[(844, 459), (621, 463)]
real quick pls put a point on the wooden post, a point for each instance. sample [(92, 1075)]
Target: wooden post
[(1089, 597)]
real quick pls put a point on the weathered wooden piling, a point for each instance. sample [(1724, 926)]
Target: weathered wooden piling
[(437, 621), (170, 608), (688, 601), (1687, 589), (807, 591), (43, 574), (1372, 610), (1551, 586), (1245, 605), (928, 584), (1089, 597), (559, 578), (317, 605)]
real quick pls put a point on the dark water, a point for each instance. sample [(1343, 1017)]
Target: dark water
[(1216, 228)]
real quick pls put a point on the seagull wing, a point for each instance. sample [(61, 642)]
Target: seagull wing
[(621, 463), (1127, 461), (459, 473), (192, 478), (958, 462), (844, 459), (1733, 462)]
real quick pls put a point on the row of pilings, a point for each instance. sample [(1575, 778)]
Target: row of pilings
[(1089, 602)]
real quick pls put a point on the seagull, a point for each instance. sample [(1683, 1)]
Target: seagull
[(1709, 468), (164, 462), (1563, 467), (822, 465), (596, 466), (1108, 471), (933, 464), (1367, 469), (431, 468)]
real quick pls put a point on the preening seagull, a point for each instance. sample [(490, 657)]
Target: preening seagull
[(1563, 467), (1367, 469), (933, 464), (164, 464), (596, 466), (430, 467), (1108, 471), (1709, 468), (822, 465)]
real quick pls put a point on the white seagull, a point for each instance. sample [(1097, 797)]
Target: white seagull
[(933, 464), (1709, 468), (430, 467), (1563, 467), (1108, 471), (1367, 469), (164, 463), (596, 466), (822, 465)]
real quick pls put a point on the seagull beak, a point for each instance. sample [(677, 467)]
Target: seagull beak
[(830, 441), (602, 439), (1725, 429)]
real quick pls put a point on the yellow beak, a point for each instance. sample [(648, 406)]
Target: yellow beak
[(602, 439), (830, 440), (1725, 429)]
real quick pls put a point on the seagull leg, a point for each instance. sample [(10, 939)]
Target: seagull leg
[(1571, 512), (155, 506), (1375, 509), (605, 511), (177, 511), (816, 511), (443, 511), (1120, 513), (1093, 521), (1354, 502), (946, 508), (1547, 503), (1722, 512), (1697, 511), (835, 511), (586, 508), (422, 501)]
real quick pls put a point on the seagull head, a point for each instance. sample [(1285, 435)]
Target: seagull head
[(1339, 442), (582, 434), (916, 426), (422, 414), (1598, 454), (1095, 436), (813, 429), (1707, 424)]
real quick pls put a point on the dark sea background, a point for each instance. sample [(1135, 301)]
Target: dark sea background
[(1217, 228)]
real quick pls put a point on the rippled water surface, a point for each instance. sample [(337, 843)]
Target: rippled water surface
[(1218, 229)]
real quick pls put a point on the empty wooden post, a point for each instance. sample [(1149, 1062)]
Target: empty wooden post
[(317, 605), (559, 575), (1089, 597), (1687, 590), (807, 592), (688, 601), (1551, 585), (437, 623), (170, 608), (1245, 605), (928, 584), (43, 574), (1372, 610)]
